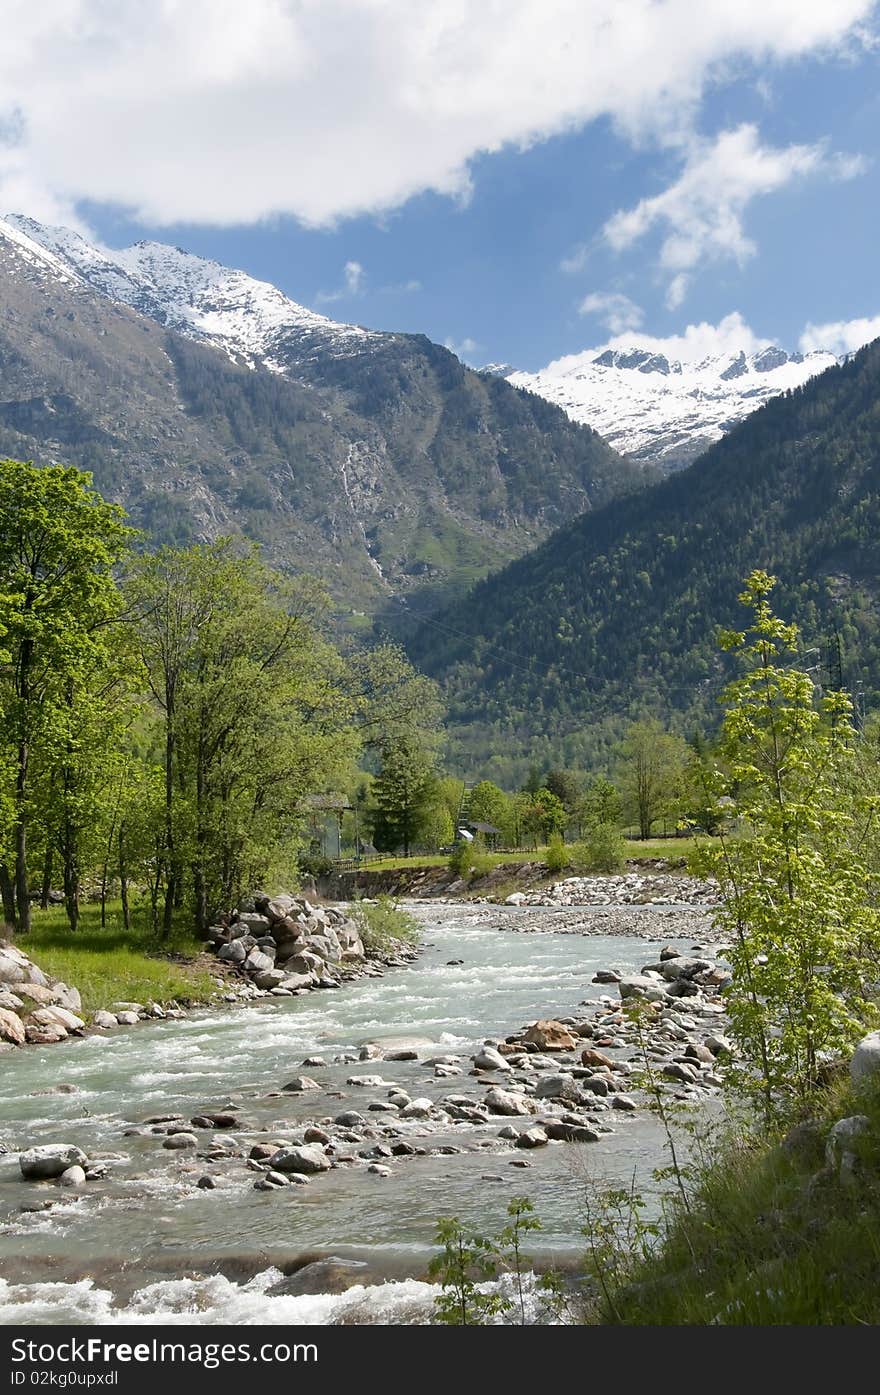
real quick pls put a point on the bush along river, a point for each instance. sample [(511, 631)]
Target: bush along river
[(286, 1160)]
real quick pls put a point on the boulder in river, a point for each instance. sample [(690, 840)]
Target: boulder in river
[(550, 1035), (306, 1157), (508, 1102), (532, 1138), (488, 1058), (50, 1160)]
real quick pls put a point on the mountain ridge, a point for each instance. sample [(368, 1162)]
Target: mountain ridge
[(665, 410)]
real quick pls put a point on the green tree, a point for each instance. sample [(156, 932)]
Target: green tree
[(405, 791), (60, 543), (600, 804), (652, 765), (489, 804), (799, 900)]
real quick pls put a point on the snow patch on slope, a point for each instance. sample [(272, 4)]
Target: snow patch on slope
[(193, 295), (666, 410)]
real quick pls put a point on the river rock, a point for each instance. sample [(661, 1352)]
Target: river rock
[(865, 1062), (57, 1017), (487, 1058), (623, 1102), (550, 1035), (532, 1138), (12, 970), (641, 986), (73, 1176), (417, 1109), (104, 1019), (206, 1183), (11, 1027), (500, 1101), (299, 1084), (44, 1036), (606, 976), (50, 1160), (38, 994), (270, 978), (571, 1133), (232, 953), (305, 1158), (676, 1070), (180, 1141), (557, 1087), (350, 1119), (127, 1018), (592, 1057), (254, 923)]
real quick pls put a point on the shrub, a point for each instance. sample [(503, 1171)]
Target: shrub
[(384, 925), (471, 859), (558, 855), (603, 850)]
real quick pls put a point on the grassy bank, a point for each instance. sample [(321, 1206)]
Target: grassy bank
[(636, 851), (108, 964), (774, 1236)]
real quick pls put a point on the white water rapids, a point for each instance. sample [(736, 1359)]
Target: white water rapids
[(146, 1245)]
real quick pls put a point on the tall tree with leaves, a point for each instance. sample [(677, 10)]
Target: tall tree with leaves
[(60, 543), (799, 898), (651, 773), (405, 793)]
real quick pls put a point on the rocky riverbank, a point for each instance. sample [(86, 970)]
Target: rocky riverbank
[(572, 1080), (277, 947)]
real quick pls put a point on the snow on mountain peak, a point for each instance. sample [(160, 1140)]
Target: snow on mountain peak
[(191, 294), (667, 410)]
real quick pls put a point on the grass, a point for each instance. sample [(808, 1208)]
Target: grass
[(384, 925), (773, 1236), (108, 965), (676, 849)]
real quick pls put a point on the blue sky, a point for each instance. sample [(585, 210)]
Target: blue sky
[(521, 184)]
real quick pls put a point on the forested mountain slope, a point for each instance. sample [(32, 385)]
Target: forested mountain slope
[(617, 613), (209, 403)]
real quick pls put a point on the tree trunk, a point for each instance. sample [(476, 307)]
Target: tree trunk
[(123, 878), (7, 891), (46, 885), (170, 853), (22, 903)]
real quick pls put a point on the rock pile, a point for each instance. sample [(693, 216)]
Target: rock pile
[(34, 1007), (627, 889), (285, 945)]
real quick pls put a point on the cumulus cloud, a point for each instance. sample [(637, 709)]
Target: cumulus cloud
[(698, 341), (464, 350), (211, 111), (840, 336), (701, 215), (616, 311)]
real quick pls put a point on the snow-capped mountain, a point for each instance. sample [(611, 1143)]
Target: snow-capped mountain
[(250, 319), (666, 411)]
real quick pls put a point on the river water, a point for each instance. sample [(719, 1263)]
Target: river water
[(146, 1245)]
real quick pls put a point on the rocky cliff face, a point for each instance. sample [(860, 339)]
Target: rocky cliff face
[(209, 403)]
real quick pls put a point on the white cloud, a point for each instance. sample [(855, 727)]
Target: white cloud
[(464, 350), (700, 216), (616, 311), (212, 111), (699, 341), (840, 336), (353, 277)]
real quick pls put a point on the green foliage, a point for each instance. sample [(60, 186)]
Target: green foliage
[(772, 1238), (63, 677), (651, 777), (471, 859), (384, 925), (603, 849), (557, 857), (468, 1263), (406, 794), (799, 900)]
